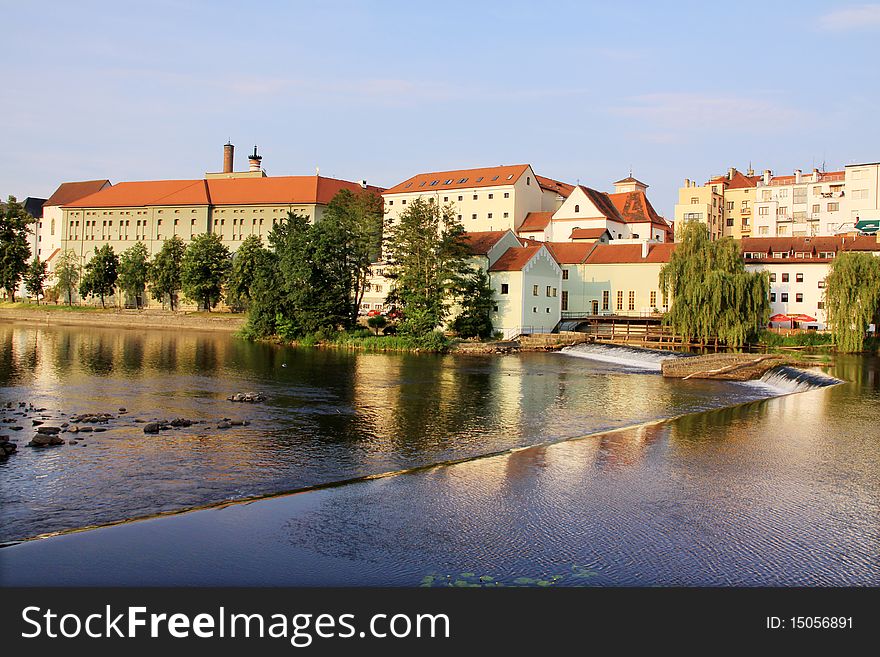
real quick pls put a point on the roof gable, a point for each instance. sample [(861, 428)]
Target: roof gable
[(69, 192), (460, 179), (614, 254)]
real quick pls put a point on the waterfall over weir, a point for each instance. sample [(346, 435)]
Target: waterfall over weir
[(635, 357), (786, 379)]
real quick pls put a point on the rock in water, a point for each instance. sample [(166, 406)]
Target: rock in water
[(51, 431), (43, 440), (249, 397), (152, 427)]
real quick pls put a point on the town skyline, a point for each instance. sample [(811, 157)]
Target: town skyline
[(131, 94)]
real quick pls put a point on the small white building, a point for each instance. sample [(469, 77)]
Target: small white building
[(527, 282)]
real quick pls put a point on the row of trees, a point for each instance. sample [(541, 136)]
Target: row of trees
[(14, 250)]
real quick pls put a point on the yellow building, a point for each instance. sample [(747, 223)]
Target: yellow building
[(725, 204)]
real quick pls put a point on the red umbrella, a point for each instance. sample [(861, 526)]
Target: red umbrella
[(780, 318), (802, 318)]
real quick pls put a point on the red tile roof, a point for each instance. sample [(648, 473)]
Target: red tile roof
[(286, 190), (561, 188), (635, 207), (71, 191), (480, 243), (536, 221), (614, 254), (603, 203), (811, 245), (460, 179), (739, 180), (514, 259), (570, 253), (587, 233)]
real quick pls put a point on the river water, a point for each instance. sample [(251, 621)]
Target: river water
[(764, 489)]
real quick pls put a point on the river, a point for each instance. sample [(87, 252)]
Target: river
[(746, 486)]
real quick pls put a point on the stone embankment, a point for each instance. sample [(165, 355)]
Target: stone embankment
[(532, 342), (728, 367), (128, 319)]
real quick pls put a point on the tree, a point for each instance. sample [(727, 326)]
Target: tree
[(35, 278), (377, 322), (100, 275), (134, 271), (14, 249), (477, 301), (852, 298), (67, 275), (204, 269), (427, 258), (712, 293), (246, 263), (165, 271)]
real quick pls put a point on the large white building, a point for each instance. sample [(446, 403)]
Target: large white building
[(801, 205), (863, 196)]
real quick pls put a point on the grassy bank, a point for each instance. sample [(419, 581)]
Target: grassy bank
[(365, 340)]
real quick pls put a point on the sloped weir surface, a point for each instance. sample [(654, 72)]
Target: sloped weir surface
[(792, 379)]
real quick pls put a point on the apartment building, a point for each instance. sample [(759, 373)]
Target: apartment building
[(486, 200), (862, 200), (798, 267), (725, 204), (801, 205)]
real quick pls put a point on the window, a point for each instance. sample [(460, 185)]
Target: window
[(445, 199), (605, 299), (817, 190), (506, 194), (798, 278), (772, 277), (505, 288), (799, 297), (860, 194), (448, 181), (565, 274), (822, 283), (506, 215), (632, 300), (528, 179), (653, 298), (548, 291), (773, 297), (785, 278), (491, 196), (730, 221), (564, 300), (763, 211), (800, 195), (815, 208), (820, 305), (782, 211), (475, 197), (480, 179), (577, 208), (694, 200), (784, 297), (534, 290), (765, 195), (833, 207), (693, 215), (489, 215), (461, 198), (620, 299), (473, 216), (730, 205)]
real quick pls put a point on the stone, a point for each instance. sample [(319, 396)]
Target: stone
[(99, 429), (152, 427), (85, 429), (73, 442), (36, 423), (8, 448), (64, 425), (122, 409), (224, 425), (48, 430), (248, 397), (237, 423), (43, 440), (180, 422), (16, 428)]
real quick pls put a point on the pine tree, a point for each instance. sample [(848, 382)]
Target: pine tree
[(134, 271), (165, 271), (14, 249), (852, 298), (204, 269), (35, 278), (711, 292), (100, 274)]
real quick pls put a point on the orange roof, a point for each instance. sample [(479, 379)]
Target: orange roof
[(587, 233), (285, 190), (789, 180), (811, 245), (614, 254), (603, 203), (480, 243), (635, 207), (514, 259), (71, 191), (561, 188), (536, 221), (739, 180), (570, 253), (460, 179)]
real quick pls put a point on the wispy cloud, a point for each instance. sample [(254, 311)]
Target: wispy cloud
[(857, 17), (666, 114)]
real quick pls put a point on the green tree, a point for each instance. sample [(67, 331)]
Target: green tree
[(712, 294), (204, 269), (477, 301), (246, 264), (100, 274), (14, 249), (427, 258), (67, 275), (377, 322), (35, 278), (165, 271), (852, 298), (134, 272)]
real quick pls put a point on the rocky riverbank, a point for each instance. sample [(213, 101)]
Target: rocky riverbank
[(127, 319)]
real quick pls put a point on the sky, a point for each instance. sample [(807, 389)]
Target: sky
[(582, 91)]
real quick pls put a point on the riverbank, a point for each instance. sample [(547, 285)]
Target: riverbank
[(119, 318)]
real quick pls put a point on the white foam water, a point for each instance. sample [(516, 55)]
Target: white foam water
[(784, 380), (633, 357)]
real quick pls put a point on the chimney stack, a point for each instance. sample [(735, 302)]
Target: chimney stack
[(766, 176), (255, 160), (687, 182), (730, 173), (228, 151), (751, 172), (646, 249), (798, 176), (364, 184)]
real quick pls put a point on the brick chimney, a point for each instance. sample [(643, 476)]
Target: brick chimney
[(255, 160), (228, 153)]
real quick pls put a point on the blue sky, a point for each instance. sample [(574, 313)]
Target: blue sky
[(382, 90)]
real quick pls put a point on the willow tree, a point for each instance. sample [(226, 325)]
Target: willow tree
[(712, 294), (852, 298)]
